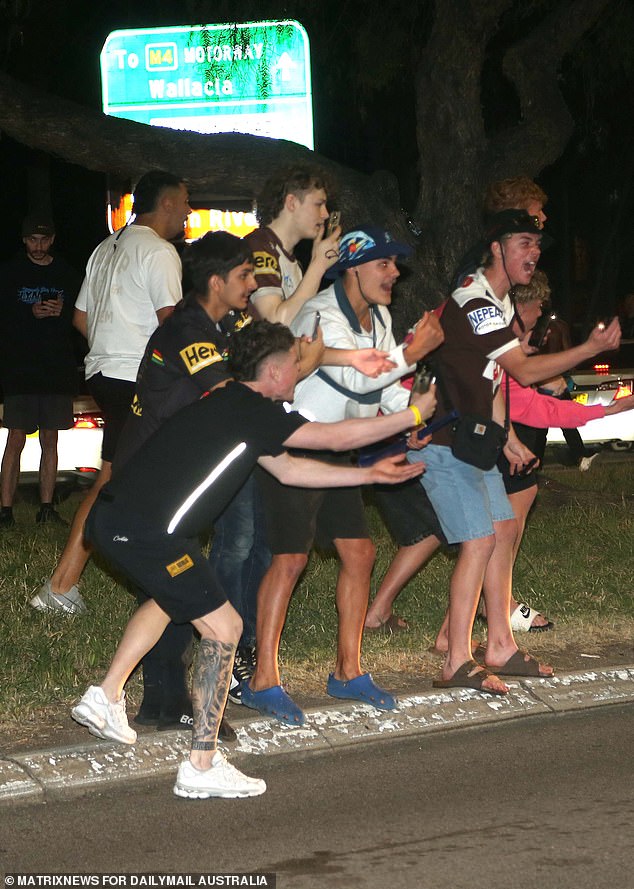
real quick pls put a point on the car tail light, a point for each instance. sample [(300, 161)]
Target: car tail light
[(602, 368), (88, 421)]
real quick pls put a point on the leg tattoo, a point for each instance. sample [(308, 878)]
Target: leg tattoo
[(212, 674)]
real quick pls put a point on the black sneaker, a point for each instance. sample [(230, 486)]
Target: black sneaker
[(243, 670), (175, 714), (6, 518), (46, 513)]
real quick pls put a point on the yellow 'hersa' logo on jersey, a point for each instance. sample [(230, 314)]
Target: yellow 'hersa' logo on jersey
[(199, 355), (135, 407), (183, 564), (265, 264)]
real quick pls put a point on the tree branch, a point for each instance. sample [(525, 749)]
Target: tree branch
[(533, 66)]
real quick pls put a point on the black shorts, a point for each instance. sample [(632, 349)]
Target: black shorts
[(535, 440), (297, 517), (169, 569), (31, 412), (114, 398), (407, 512)]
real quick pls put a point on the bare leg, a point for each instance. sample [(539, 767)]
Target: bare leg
[(48, 464), (466, 582), (407, 561), (497, 591), (212, 674), (442, 639), (521, 501), (274, 596), (76, 552), (353, 587), (16, 439), (498, 582), (143, 631), (220, 631)]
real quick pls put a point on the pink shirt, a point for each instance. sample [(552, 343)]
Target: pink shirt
[(543, 411)]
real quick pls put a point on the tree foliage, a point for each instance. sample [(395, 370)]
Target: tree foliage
[(418, 106)]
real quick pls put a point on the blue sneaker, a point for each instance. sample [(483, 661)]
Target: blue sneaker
[(363, 689)]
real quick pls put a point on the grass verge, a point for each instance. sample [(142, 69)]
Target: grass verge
[(575, 565)]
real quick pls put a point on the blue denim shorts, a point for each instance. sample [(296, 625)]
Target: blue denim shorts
[(466, 500)]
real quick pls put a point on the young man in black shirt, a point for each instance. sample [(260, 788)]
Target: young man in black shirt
[(38, 367), (147, 518)]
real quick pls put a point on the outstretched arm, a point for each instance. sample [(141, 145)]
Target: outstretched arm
[(348, 434), (303, 473), (532, 369)]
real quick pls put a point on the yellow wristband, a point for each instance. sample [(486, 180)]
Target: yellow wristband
[(418, 420)]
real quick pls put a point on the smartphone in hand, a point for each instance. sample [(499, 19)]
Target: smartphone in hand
[(332, 222), (538, 334)]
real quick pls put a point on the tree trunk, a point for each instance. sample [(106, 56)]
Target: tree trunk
[(457, 155)]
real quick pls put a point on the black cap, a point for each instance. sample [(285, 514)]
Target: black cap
[(514, 222), (38, 224)]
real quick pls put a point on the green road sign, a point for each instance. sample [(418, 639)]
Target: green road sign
[(251, 78)]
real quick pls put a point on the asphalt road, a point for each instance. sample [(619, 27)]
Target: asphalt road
[(538, 803)]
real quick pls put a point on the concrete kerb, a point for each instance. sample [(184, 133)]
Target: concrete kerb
[(96, 764)]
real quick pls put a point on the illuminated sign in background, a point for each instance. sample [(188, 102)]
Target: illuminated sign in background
[(250, 78), (199, 221)]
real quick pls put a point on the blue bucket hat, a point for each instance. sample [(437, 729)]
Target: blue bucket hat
[(363, 245)]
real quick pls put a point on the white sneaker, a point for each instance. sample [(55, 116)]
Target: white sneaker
[(222, 779), (70, 602), (103, 718), (586, 462)]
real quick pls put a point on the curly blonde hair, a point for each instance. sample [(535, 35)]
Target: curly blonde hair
[(513, 194), (537, 289)]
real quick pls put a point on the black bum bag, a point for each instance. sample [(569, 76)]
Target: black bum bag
[(478, 441)]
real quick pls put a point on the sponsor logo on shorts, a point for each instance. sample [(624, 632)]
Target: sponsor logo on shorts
[(197, 356), (135, 407), (265, 264), (180, 565), (486, 319)]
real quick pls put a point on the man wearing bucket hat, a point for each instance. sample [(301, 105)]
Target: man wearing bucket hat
[(353, 315), (470, 502)]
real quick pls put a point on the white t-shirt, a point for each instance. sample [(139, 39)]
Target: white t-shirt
[(129, 277)]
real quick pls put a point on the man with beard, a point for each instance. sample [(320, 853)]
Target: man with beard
[(38, 368)]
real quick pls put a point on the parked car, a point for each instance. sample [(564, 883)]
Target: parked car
[(600, 381), (78, 449)]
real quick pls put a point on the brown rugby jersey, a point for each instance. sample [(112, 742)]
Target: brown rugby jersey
[(276, 271), (477, 331)]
